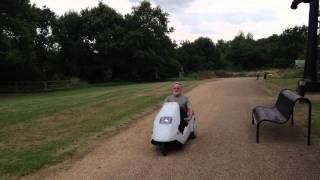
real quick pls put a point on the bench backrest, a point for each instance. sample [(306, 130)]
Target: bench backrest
[(286, 101)]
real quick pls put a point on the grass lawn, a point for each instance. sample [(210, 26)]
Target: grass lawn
[(275, 85), (44, 128)]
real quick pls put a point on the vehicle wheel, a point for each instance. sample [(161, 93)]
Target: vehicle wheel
[(164, 149), (194, 133)]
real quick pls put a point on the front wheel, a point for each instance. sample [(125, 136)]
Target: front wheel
[(164, 149)]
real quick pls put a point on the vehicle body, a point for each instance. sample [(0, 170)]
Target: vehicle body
[(166, 124)]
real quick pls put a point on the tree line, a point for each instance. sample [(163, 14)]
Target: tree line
[(100, 44)]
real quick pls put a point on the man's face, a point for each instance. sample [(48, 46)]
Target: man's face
[(177, 89)]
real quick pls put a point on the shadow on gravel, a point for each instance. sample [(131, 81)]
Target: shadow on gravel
[(174, 148), (273, 133)]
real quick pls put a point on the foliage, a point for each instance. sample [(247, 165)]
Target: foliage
[(202, 54), (151, 54), (243, 52), (101, 45)]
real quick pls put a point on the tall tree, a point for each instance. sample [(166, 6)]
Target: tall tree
[(243, 52), (72, 50), (18, 30), (202, 54), (150, 48), (45, 44), (103, 32)]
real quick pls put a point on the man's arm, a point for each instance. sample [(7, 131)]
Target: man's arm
[(190, 110), (166, 99)]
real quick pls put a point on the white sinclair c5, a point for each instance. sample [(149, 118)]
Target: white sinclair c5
[(166, 127)]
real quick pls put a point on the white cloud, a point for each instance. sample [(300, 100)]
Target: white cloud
[(170, 5), (224, 19), (62, 6), (212, 18), (122, 6)]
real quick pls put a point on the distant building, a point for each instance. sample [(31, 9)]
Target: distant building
[(300, 63)]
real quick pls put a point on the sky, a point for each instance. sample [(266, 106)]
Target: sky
[(216, 19)]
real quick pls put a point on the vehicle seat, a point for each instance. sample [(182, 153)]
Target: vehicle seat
[(183, 123)]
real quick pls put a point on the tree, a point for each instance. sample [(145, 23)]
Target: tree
[(209, 54), (202, 54), (149, 47), (293, 43), (223, 47), (45, 43), (18, 30), (243, 52), (72, 50), (281, 50), (103, 33)]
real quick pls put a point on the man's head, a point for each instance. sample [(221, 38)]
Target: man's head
[(177, 89)]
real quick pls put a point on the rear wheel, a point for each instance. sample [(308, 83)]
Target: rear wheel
[(194, 133), (164, 149)]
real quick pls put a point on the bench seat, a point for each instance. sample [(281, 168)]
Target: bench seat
[(268, 114)]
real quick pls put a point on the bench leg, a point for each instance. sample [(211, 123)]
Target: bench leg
[(309, 124), (257, 137), (252, 120), (292, 120)]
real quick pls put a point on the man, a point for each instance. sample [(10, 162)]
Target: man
[(186, 111)]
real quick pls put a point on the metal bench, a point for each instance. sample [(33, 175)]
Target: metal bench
[(281, 112)]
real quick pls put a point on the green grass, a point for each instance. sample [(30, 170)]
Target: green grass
[(287, 73), (275, 85), (208, 74), (44, 128), (288, 79)]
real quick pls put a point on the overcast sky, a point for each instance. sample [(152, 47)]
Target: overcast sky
[(217, 19)]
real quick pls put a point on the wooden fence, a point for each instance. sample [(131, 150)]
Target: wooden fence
[(37, 86)]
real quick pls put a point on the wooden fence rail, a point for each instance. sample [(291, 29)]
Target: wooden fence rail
[(37, 86)]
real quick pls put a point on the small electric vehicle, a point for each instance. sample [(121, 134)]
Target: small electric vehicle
[(166, 127)]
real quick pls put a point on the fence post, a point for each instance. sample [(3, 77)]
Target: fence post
[(69, 84), (45, 83), (16, 86)]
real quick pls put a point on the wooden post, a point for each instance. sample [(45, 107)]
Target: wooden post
[(45, 83), (16, 86)]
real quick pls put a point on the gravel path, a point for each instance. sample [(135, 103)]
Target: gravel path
[(224, 149)]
